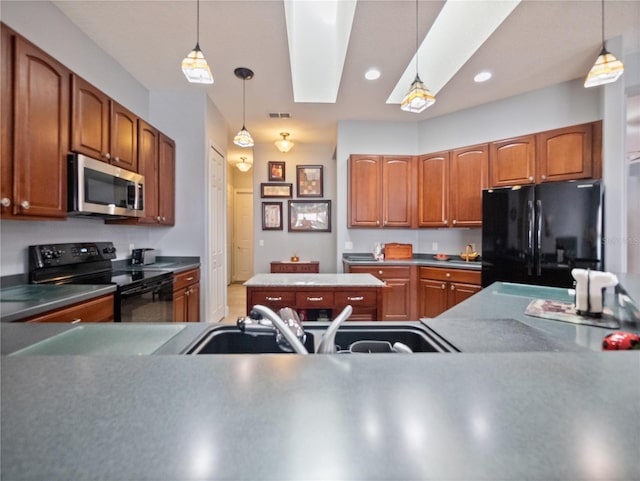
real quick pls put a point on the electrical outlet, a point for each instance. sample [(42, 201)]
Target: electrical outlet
[(261, 242), (348, 245), (434, 246)]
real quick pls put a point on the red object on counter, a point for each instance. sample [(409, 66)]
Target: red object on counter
[(620, 341)]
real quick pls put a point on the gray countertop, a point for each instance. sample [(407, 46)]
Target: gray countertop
[(426, 260), (314, 280)]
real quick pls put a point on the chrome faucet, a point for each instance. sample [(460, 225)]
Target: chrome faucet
[(290, 335), (328, 342)]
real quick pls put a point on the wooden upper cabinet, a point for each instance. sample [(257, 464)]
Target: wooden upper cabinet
[(469, 175), (123, 137), (433, 190), (166, 179), (365, 195), (148, 166), (513, 161), (398, 191), (566, 154), (41, 133), (90, 120), (6, 121)]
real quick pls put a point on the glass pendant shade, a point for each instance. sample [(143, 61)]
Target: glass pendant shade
[(243, 166), (283, 144), (243, 138), (607, 69), (418, 98), (195, 67)]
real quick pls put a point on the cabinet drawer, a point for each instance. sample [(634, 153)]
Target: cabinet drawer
[(455, 275), (183, 279), (356, 299), (315, 299), (384, 272), (273, 297), (95, 310)]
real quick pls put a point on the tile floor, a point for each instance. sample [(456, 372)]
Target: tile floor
[(237, 301)]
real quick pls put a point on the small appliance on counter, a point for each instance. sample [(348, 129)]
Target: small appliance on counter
[(590, 286), (143, 256)]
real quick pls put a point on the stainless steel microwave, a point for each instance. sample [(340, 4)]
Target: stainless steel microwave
[(96, 188)]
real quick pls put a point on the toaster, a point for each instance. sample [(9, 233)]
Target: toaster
[(143, 256)]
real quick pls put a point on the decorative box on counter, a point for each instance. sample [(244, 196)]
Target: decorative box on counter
[(395, 251)]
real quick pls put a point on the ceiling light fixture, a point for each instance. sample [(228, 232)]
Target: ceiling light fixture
[(607, 68), (418, 98), (482, 76), (372, 74), (243, 137), (243, 165), (194, 65), (283, 144)]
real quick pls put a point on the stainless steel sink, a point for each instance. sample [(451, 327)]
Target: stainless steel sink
[(229, 339)]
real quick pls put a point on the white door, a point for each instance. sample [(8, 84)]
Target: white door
[(243, 235), (216, 296)]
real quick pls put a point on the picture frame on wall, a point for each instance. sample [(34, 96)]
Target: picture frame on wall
[(276, 190), (309, 215), (276, 171), (309, 180), (272, 216)]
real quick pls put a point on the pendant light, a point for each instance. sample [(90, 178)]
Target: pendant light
[(283, 144), (418, 98), (194, 65), (243, 137), (607, 68), (243, 166)]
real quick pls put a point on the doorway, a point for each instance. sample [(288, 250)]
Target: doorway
[(242, 235)]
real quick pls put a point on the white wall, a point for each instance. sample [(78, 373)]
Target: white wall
[(557, 106), (281, 245)]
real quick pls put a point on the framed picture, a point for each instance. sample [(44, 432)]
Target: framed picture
[(276, 190), (272, 216), (309, 182), (276, 171), (309, 216)]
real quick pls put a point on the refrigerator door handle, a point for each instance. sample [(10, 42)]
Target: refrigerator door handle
[(530, 240), (538, 237)]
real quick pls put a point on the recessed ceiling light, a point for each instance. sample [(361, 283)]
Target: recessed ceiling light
[(482, 76), (372, 74)]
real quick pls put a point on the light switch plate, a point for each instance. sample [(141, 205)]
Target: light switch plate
[(434, 246), (348, 245), (261, 242)]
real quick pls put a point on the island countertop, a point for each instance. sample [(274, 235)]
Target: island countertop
[(311, 280)]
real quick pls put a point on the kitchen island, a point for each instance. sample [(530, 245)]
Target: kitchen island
[(484, 413)]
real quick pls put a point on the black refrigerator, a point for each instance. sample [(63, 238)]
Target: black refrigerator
[(535, 234)]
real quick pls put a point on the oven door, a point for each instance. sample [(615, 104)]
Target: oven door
[(151, 301)]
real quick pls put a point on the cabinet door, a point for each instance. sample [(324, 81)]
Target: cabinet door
[(148, 166), (565, 154), (468, 177), (433, 190), (166, 180), (6, 121), (513, 161), (398, 191), (123, 138), (458, 292), (41, 135), (90, 120), (365, 203), (396, 300), (433, 297), (193, 303), (180, 305)]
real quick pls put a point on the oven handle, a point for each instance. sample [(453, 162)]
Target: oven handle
[(152, 286)]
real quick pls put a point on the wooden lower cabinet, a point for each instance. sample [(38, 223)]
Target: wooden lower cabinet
[(313, 303), (440, 289), (186, 296), (398, 298), (99, 309)]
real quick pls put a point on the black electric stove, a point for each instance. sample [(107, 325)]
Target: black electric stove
[(141, 295)]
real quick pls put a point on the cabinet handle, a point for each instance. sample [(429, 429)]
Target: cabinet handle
[(164, 218), (448, 274), (116, 159), (377, 222), (445, 222), (444, 286), (5, 202), (543, 177), (454, 222), (106, 155), (453, 288), (76, 320), (359, 298), (158, 219), (273, 298), (530, 179), (189, 278), (25, 204), (315, 299)]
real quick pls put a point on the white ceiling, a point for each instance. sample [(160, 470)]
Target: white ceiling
[(541, 43)]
